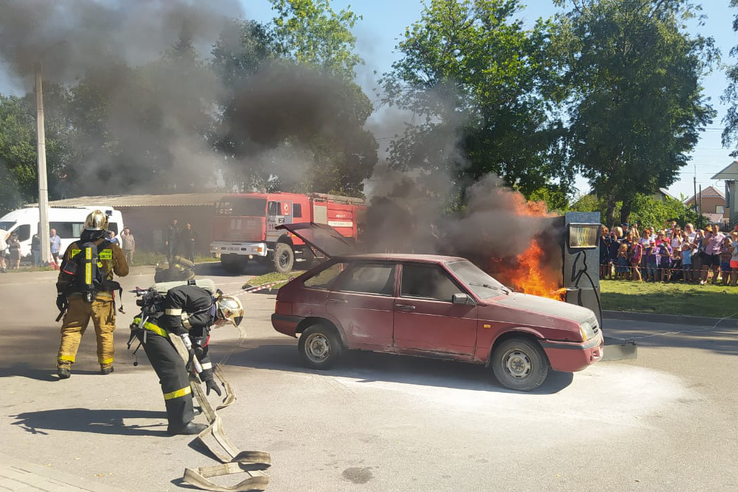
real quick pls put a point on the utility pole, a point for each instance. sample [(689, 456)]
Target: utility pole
[(699, 212), (43, 188), (695, 189)]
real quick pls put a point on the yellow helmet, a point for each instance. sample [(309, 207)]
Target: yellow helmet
[(96, 221), (231, 309)]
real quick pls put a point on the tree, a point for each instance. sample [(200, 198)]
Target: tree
[(311, 32), (482, 88), (638, 105), (292, 118), (730, 96), (18, 156)]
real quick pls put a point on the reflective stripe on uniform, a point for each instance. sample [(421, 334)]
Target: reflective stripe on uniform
[(69, 358), (186, 321), (173, 312), (178, 393), (74, 253), (207, 365), (151, 327), (106, 361), (106, 254), (88, 266)]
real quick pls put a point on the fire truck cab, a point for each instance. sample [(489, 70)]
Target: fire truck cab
[(245, 226)]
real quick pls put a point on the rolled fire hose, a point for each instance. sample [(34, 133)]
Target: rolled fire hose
[(233, 460)]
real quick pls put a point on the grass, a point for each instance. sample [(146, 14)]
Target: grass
[(714, 301), (272, 277)]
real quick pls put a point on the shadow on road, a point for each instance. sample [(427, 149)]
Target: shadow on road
[(368, 367), (94, 421)]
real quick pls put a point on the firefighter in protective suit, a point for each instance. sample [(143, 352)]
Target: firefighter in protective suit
[(86, 290), (188, 312)]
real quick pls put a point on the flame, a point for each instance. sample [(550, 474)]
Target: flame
[(526, 275)]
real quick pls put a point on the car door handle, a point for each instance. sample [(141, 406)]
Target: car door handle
[(405, 307), (338, 301)]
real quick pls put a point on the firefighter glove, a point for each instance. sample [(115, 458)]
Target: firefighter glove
[(62, 303), (186, 340), (210, 384)]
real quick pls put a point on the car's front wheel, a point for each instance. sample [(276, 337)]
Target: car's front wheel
[(319, 347), (520, 364)]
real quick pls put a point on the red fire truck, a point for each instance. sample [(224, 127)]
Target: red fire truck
[(245, 226)]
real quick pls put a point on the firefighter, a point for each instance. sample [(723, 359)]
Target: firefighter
[(187, 311), (86, 290)]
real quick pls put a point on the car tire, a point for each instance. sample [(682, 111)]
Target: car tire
[(520, 364), (284, 258), (320, 347)]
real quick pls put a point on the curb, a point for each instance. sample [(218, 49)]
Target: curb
[(672, 319)]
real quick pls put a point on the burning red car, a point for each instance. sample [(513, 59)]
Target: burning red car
[(429, 306)]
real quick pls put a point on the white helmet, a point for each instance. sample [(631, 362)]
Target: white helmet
[(231, 309), (96, 221)]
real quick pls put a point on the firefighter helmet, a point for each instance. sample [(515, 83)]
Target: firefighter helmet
[(230, 309), (96, 221)]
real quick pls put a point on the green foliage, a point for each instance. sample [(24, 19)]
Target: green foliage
[(311, 32), (18, 156), (730, 96), (638, 104), (484, 92), (647, 210)]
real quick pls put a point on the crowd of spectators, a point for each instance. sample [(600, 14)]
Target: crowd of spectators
[(671, 254)]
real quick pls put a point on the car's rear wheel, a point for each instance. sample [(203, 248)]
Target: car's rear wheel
[(520, 364), (319, 347)]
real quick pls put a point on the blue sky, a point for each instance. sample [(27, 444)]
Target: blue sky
[(385, 20)]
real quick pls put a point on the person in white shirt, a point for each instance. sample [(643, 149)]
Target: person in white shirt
[(4, 235)]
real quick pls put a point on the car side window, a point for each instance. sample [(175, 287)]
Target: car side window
[(369, 279), (427, 282), (24, 232), (324, 278)]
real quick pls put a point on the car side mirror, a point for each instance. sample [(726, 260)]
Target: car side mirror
[(461, 299)]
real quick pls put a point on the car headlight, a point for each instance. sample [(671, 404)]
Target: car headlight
[(587, 330)]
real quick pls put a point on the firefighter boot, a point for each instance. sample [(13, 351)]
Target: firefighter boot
[(190, 429), (64, 372), (106, 370)]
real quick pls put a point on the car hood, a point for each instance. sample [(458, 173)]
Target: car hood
[(547, 307)]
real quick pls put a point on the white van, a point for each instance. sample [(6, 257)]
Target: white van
[(68, 223)]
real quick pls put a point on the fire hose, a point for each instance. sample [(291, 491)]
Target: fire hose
[(233, 461)]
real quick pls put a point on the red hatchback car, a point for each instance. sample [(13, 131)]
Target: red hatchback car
[(429, 306)]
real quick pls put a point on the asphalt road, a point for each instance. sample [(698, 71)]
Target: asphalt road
[(665, 421)]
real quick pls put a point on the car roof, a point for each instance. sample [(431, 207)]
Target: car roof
[(400, 257)]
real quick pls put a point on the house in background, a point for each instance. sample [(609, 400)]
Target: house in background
[(713, 205), (730, 175), (663, 194)]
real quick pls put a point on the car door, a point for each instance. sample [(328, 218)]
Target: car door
[(426, 319), (362, 301)]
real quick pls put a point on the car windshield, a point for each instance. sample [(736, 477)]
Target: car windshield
[(482, 284), (6, 225)]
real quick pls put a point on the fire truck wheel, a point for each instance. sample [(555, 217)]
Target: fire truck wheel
[(232, 264), (520, 364), (284, 258), (319, 347)]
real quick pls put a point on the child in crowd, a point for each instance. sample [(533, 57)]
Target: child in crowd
[(614, 248), (652, 261), (734, 258), (687, 261), (726, 253), (636, 255), (622, 262), (664, 261), (604, 252)]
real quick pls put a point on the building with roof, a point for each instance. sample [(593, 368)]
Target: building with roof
[(149, 215), (730, 175), (711, 202)]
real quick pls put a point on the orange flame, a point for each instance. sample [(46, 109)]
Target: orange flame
[(530, 279)]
